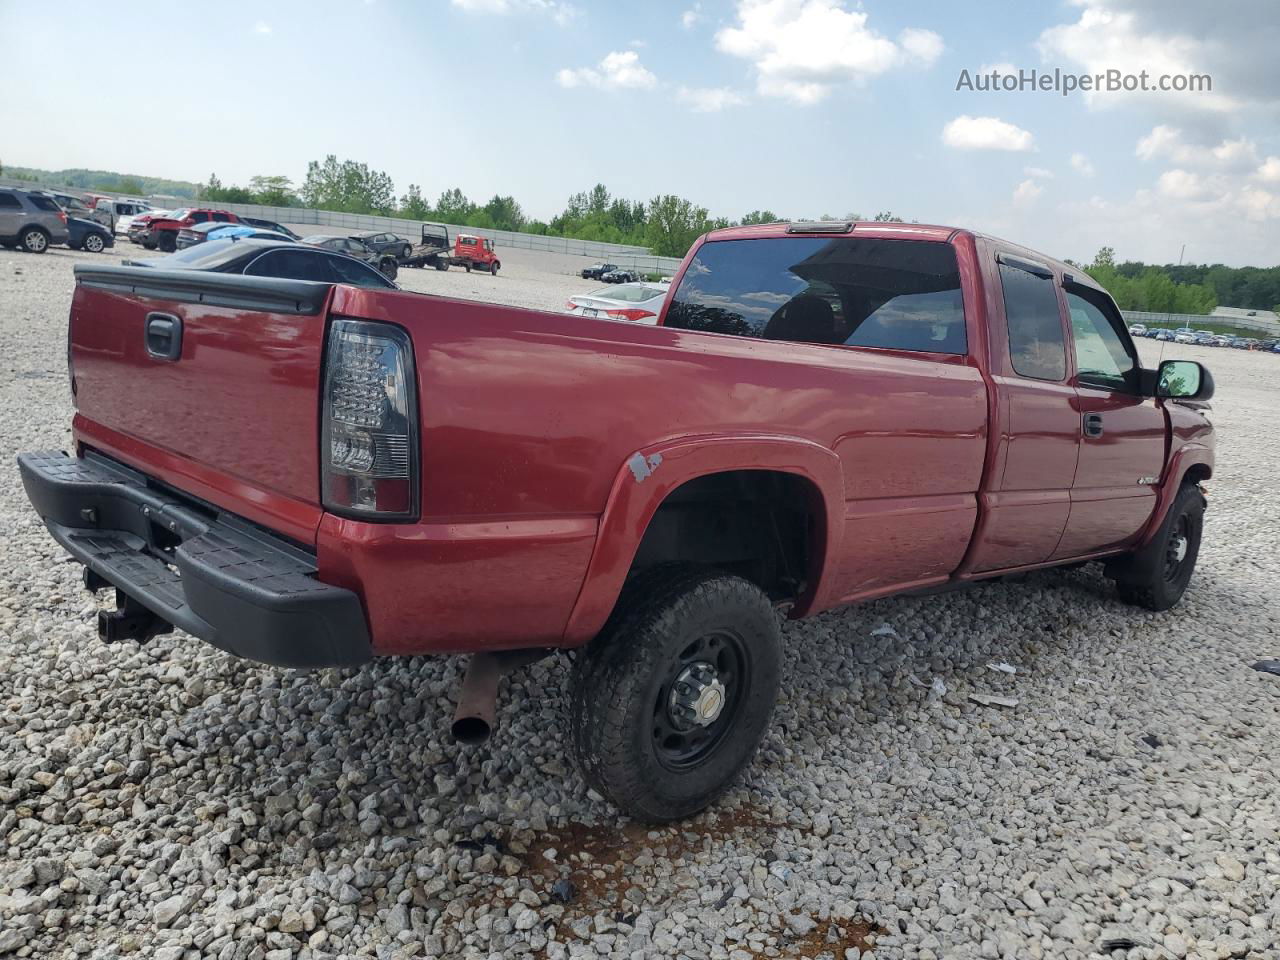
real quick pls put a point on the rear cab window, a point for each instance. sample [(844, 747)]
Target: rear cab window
[(841, 291)]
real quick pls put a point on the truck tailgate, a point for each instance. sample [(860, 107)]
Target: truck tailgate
[(232, 417)]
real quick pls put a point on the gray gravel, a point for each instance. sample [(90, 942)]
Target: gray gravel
[(171, 802)]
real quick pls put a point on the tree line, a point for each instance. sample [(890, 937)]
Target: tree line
[(1185, 288), (666, 224)]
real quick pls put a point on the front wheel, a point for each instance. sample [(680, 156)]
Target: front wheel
[(493, 268), (168, 242), (670, 701), (1157, 576), (94, 243), (406, 252)]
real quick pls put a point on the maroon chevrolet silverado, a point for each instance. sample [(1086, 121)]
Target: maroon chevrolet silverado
[(309, 474)]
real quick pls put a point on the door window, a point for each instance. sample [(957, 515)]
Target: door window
[(9, 202), (1037, 344), (1103, 359), (199, 217), (346, 270), (222, 217), (291, 264)]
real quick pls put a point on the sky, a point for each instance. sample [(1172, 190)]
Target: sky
[(802, 107)]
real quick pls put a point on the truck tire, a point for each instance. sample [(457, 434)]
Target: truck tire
[(493, 268), (389, 268), (670, 701), (1157, 576), (406, 252), (168, 241), (442, 264), (33, 240)]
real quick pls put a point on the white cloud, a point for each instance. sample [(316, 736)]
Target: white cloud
[(690, 17), (802, 48), (1039, 173), (619, 70), (1183, 185), (1111, 34), (1269, 172), (557, 10), (985, 133), (1168, 144), (262, 27), (1082, 165), (1002, 68), (1026, 192), (709, 99)]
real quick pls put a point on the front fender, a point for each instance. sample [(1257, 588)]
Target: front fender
[(1187, 456), (649, 475)]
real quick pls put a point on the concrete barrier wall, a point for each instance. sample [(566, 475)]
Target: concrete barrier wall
[(1199, 321)]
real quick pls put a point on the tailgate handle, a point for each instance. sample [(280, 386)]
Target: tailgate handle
[(164, 336)]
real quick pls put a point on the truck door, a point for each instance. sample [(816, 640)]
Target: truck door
[(1123, 433), (1028, 495)]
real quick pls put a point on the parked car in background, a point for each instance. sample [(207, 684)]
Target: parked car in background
[(270, 225), (200, 232), (88, 235), (270, 258), (118, 215), (620, 275), (1137, 329), (387, 243), (162, 232), (30, 221), (1184, 335), (139, 226), (383, 262), (72, 206), (1205, 338), (637, 302), (1166, 336), (597, 270)]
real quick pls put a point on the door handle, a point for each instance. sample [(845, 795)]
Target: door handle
[(163, 333), (1093, 424)]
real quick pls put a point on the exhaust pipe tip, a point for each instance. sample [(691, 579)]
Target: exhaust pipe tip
[(471, 731)]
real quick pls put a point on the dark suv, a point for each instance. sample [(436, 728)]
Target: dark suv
[(30, 221)]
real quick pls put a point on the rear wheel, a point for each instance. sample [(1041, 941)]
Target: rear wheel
[(94, 243), (1157, 576), (670, 701), (442, 264), (390, 269), (405, 252), (33, 240), (168, 241)]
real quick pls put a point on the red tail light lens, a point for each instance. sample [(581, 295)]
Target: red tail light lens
[(369, 429), (62, 215), (632, 315)]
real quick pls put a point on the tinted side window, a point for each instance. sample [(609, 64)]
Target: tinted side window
[(9, 202), (291, 264), (893, 294), (222, 218), (199, 217), (43, 203), (346, 270), (1102, 357), (1037, 344)]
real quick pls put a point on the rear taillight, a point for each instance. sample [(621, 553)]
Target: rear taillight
[(369, 429), (62, 215), (570, 305), (632, 315)]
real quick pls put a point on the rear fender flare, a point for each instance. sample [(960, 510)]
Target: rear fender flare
[(649, 475)]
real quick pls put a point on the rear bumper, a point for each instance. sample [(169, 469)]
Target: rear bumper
[(215, 575)]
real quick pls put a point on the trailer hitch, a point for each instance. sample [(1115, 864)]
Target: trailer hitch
[(130, 620)]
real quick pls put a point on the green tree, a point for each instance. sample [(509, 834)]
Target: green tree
[(759, 216), (273, 191), (887, 216), (348, 187), (454, 207), (504, 214), (131, 185), (412, 206), (1105, 257), (673, 224)]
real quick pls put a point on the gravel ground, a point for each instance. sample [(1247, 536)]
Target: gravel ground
[(171, 802)]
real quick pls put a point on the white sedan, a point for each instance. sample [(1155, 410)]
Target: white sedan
[(636, 302)]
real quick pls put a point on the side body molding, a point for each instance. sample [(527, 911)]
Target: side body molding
[(651, 474)]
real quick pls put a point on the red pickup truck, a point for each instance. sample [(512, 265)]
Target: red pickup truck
[(313, 475), (162, 232)]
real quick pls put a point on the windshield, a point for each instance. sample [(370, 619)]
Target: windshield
[(628, 293)]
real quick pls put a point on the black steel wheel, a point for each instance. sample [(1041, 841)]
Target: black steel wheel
[(1157, 576), (670, 701)]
